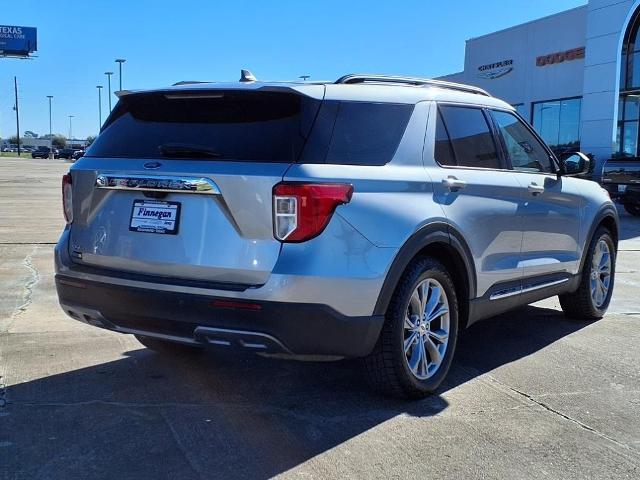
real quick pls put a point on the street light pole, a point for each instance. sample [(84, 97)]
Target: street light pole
[(70, 128), (15, 84), (108, 74), (120, 61), (50, 97), (99, 87)]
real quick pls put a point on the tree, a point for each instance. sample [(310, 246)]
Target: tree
[(30, 134), (59, 141), (13, 140), (90, 139)]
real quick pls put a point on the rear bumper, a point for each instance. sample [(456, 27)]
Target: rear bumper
[(631, 195), (274, 327)]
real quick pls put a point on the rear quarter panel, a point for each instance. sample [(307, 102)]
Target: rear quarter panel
[(392, 201)]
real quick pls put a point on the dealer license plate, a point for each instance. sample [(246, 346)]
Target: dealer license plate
[(154, 216)]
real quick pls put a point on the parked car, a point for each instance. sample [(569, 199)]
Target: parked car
[(621, 177), (77, 154), (43, 152), (373, 217), (66, 153)]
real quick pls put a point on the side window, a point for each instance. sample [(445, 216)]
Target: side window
[(471, 139), (523, 148), (367, 133), (443, 149)]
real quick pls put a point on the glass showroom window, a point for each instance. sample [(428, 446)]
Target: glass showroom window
[(558, 123), (522, 110), (629, 106)]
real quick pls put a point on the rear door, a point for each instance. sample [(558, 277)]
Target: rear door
[(179, 183), (551, 204), (479, 195)]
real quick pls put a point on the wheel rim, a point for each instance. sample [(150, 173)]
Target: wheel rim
[(600, 273), (426, 329)]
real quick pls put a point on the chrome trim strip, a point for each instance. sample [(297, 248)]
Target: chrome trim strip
[(506, 293), (520, 290), (239, 334), (160, 336), (157, 183)]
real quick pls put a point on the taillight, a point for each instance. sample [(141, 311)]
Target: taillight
[(67, 198), (301, 211)]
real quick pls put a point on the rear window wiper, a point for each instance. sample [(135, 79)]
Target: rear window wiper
[(186, 150)]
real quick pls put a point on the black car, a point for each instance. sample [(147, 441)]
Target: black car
[(67, 153), (621, 177), (43, 152), (77, 154)]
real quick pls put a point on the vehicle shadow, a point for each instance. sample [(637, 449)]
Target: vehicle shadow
[(226, 415)]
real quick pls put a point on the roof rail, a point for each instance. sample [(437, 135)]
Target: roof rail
[(359, 78)]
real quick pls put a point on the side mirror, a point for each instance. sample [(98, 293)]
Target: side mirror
[(574, 164)]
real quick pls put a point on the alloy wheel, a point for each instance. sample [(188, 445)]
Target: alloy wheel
[(426, 329), (600, 273)]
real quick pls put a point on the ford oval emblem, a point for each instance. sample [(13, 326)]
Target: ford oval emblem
[(151, 165)]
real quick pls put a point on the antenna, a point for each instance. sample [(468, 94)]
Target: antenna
[(246, 76)]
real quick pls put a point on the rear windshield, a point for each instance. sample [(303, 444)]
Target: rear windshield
[(220, 125)]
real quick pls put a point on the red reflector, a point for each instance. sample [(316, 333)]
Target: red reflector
[(303, 210), (71, 283), (236, 305)]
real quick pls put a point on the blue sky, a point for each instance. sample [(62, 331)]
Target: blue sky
[(165, 42)]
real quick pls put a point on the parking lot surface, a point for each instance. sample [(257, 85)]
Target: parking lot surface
[(530, 395)]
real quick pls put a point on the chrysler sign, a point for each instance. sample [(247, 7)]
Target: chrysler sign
[(492, 71)]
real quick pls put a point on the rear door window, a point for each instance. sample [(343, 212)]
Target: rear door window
[(443, 148), (214, 125), (471, 138)]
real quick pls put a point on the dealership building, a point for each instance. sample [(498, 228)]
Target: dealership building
[(574, 75)]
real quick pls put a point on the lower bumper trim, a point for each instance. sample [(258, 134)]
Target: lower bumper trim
[(277, 327)]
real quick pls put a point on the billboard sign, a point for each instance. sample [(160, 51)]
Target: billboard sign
[(17, 41)]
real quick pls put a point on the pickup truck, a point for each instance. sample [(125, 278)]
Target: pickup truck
[(622, 179)]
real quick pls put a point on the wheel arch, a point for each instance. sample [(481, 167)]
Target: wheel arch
[(444, 243), (607, 217)]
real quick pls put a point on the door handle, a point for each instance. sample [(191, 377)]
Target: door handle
[(535, 189), (453, 184)]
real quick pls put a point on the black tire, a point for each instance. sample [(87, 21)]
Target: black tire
[(167, 346), (386, 367), (632, 209), (579, 304)]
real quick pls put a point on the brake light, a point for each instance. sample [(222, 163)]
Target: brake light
[(67, 198), (301, 211)]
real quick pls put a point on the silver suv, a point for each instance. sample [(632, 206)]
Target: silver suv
[(372, 217)]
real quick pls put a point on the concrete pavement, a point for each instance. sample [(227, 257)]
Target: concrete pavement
[(530, 395)]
